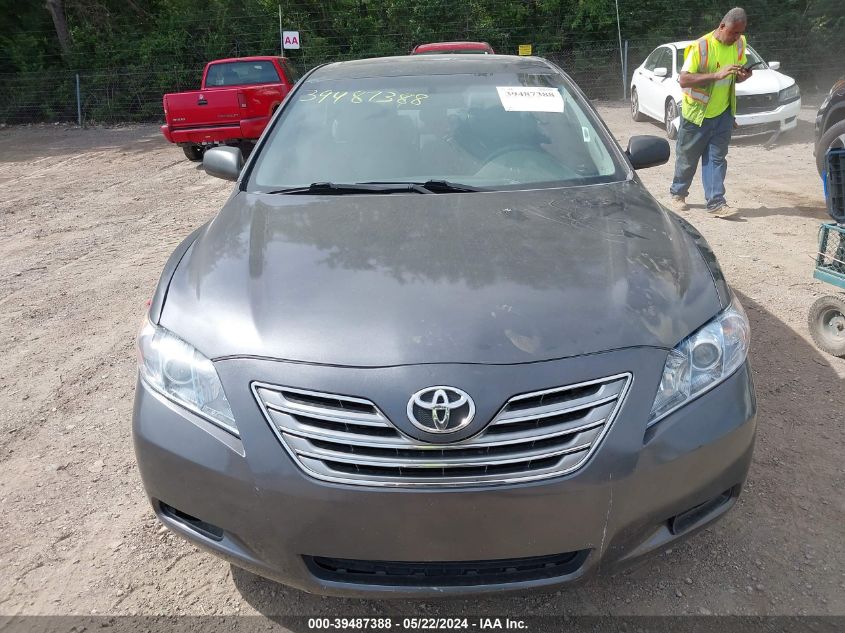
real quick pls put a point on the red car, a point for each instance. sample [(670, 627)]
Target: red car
[(235, 103), (453, 47)]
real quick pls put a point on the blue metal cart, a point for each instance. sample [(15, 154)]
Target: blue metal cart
[(827, 314)]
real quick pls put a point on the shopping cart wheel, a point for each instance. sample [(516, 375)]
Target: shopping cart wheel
[(827, 324)]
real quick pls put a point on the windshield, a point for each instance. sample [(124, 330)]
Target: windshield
[(752, 56), (485, 130)]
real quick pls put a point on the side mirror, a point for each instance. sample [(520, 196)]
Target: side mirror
[(223, 162), (661, 72), (647, 151), (774, 65)]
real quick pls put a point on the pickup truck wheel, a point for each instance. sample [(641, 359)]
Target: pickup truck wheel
[(193, 152), (246, 148), (834, 138)]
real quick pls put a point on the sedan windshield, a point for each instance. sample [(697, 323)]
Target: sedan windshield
[(489, 131)]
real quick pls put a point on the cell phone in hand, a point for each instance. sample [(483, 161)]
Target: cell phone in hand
[(752, 66)]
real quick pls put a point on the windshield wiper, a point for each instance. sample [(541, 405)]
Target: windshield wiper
[(332, 188), (435, 186)]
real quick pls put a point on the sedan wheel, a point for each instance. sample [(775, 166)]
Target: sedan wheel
[(671, 115), (635, 107)]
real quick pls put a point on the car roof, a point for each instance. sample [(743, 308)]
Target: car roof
[(433, 46), (447, 64)]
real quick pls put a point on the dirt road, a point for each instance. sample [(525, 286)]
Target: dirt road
[(87, 219)]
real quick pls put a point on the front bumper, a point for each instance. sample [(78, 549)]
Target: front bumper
[(781, 119), (615, 509)]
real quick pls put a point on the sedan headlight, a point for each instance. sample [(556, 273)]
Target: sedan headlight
[(703, 360), (179, 372), (789, 94)]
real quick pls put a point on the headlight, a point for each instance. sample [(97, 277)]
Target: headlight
[(789, 94), (703, 360), (179, 372)]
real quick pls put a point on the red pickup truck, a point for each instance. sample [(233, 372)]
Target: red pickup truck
[(237, 99)]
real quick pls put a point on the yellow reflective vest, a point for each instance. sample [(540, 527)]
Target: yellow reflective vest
[(696, 98)]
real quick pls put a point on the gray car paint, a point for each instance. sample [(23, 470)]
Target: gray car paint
[(616, 505), (502, 277), (365, 295)]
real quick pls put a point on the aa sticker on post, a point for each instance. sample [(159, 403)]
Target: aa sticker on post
[(530, 99)]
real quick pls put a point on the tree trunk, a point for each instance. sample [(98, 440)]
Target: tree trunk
[(57, 11)]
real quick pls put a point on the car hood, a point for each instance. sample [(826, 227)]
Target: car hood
[(764, 81), (500, 277)]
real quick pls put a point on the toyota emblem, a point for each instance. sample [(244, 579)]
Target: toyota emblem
[(441, 409)]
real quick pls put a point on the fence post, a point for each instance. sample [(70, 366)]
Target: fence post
[(78, 102), (625, 72)]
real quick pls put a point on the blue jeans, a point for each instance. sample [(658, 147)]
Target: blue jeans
[(708, 143)]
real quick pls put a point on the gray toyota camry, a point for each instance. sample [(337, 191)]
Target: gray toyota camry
[(441, 340)]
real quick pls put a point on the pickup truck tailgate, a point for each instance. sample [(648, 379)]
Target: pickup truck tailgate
[(202, 108)]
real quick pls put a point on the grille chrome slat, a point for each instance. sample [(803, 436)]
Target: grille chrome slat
[(318, 468), (303, 447), (277, 401), (299, 426), (506, 417), (398, 442), (604, 387), (549, 411), (332, 418), (346, 459), (533, 436)]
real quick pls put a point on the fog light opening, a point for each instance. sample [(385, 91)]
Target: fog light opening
[(196, 525), (685, 520)]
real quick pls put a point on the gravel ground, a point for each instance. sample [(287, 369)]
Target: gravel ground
[(88, 218)]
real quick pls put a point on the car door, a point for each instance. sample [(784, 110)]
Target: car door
[(645, 84), (679, 54), (661, 86)]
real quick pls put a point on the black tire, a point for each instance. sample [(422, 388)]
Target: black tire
[(671, 113), (834, 137), (193, 152), (827, 324), (246, 148), (638, 116)]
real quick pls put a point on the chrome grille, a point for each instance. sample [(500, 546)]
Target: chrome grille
[(534, 436)]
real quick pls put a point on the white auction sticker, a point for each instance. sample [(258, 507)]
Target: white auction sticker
[(530, 99)]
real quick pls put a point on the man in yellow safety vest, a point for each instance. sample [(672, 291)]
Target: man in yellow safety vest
[(712, 68)]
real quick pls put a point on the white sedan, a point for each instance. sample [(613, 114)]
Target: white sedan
[(768, 101)]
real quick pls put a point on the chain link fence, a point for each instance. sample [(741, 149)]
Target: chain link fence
[(134, 94)]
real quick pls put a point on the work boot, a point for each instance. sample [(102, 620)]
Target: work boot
[(679, 203), (722, 211)]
